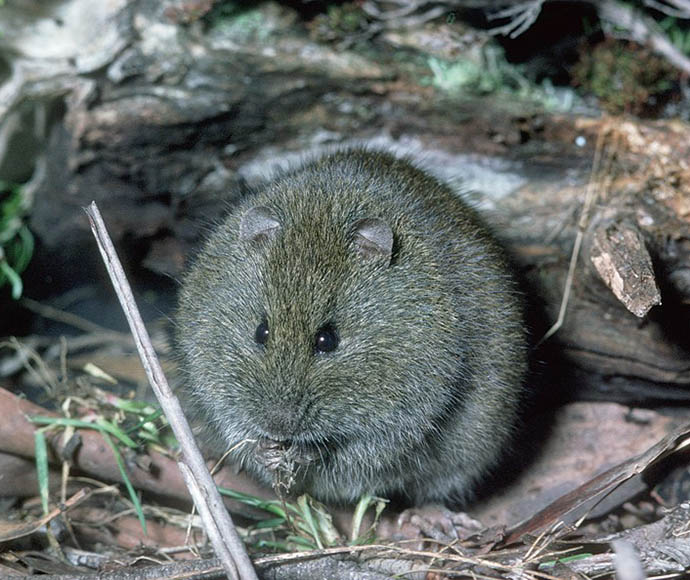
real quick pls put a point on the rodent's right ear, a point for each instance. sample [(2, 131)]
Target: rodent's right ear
[(259, 223), (374, 239)]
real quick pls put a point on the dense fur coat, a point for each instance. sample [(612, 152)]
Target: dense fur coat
[(358, 313)]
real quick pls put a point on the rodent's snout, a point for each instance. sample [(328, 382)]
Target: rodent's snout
[(281, 422)]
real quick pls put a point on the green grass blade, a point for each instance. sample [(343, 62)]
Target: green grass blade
[(358, 535), (269, 524), (303, 542), (564, 560), (308, 517), (125, 478), (272, 507), (357, 517), (146, 422), (116, 432), (324, 523), (41, 450), (135, 407), (100, 425)]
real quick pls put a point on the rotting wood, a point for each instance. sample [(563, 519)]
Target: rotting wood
[(165, 144), (621, 259)]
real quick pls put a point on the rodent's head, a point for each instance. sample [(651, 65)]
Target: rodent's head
[(314, 319)]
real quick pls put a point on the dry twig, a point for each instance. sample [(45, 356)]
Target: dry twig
[(217, 521), (591, 194), (521, 15)]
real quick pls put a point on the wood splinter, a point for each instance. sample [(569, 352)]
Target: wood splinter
[(621, 259)]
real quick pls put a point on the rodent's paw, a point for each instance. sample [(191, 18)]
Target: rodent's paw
[(270, 454), (437, 523), (283, 461), (274, 455)]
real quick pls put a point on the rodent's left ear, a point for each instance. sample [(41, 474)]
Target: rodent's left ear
[(373, 239)]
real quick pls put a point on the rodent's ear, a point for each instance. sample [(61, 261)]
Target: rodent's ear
[(260, 222), (374, 239)]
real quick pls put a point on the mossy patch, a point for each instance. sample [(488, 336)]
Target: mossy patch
[(625, 77)]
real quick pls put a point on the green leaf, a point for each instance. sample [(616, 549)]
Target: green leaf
[(379, 505), (15, 281), (25, 249)]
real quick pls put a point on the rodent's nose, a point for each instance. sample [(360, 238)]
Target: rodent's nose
[(282, 422)]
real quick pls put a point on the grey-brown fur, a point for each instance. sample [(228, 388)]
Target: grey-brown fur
[(420, 395)]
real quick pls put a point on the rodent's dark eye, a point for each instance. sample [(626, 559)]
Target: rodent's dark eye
[(326, 339), (261, 334)]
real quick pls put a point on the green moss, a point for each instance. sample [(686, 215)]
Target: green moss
[(625, 77), (460, 75), (341, 22), (488, 72), (239, 22)]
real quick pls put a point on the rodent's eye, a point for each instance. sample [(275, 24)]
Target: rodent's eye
[(261, 334), (326, 339)]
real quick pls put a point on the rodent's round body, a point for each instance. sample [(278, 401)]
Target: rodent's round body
[(416, 391)]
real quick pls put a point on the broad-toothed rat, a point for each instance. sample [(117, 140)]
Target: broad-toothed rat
[(358, 317)]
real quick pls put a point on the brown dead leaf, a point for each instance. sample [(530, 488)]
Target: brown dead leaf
[(576, 504)]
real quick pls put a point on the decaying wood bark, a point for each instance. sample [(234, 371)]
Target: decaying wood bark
[(622, 261), (635, 255), (162, 114)]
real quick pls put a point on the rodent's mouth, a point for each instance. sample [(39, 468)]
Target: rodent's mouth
[(283, 455)]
